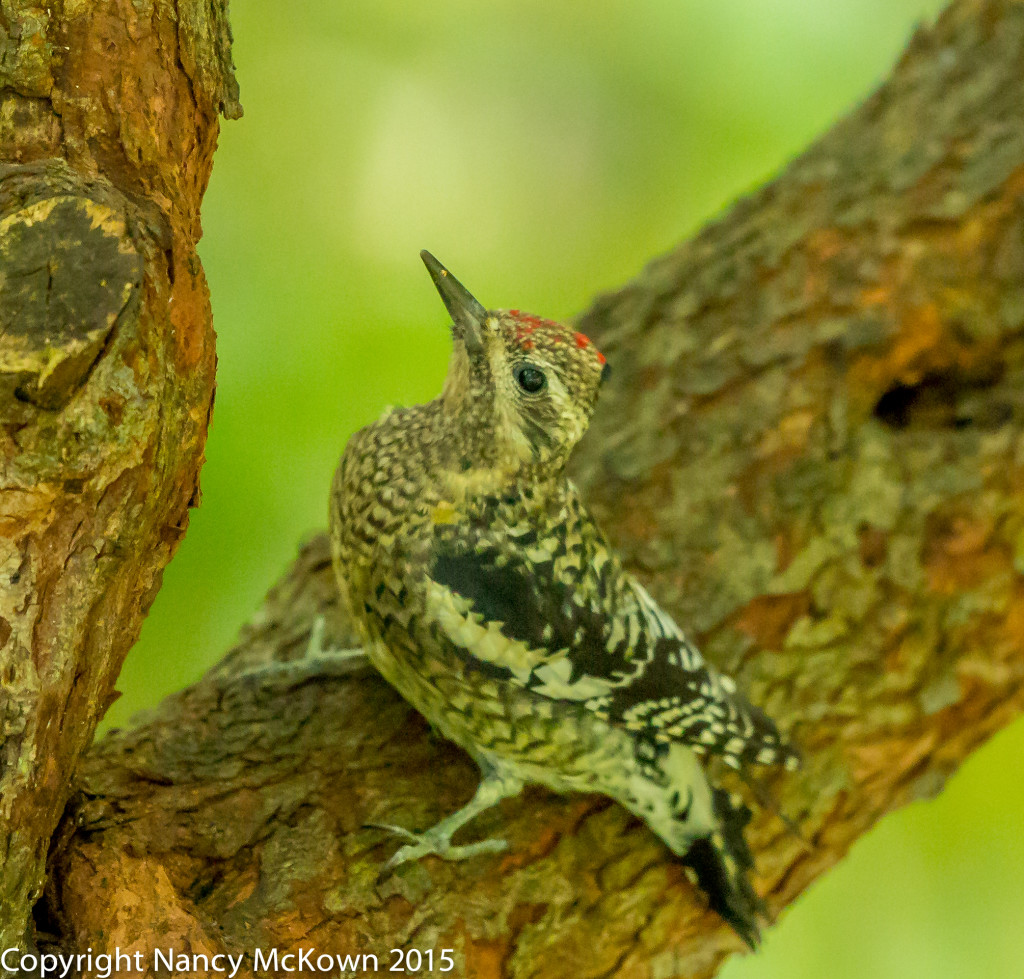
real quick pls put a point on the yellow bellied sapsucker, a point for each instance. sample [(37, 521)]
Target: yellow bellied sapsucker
[(489, 598)]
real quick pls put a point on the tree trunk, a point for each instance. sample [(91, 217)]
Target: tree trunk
[(108, 121), (811, 450)]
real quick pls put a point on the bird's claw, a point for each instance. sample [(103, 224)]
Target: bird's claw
[(433, 844), (426, 846), (407, 834)]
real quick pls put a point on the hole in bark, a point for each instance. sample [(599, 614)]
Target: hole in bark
[(49, 931), (945, 400)]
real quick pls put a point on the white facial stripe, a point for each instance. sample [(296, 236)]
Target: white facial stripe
[(509, 423), (556, 388)]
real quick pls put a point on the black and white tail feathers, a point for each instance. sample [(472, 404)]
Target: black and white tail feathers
[(722, 863)]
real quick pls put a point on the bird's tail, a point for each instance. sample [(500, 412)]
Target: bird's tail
[(722, 863)]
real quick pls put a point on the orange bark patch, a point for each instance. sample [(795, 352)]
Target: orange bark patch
[(917, 345), (922, 335), (1013, 626), (485, 960), (825, 243), (789, 437), (958, 554), (876, 296), (190, 307), (1015, 185), (768, 619), (922, 346), (785, 551), (525, 914), (639, 524), (876, 759), (873, 543), (536, 848), (136, 893)]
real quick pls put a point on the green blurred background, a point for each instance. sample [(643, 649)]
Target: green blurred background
[(545, 151)]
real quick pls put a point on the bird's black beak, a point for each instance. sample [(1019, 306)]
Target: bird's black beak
[(468, 316)]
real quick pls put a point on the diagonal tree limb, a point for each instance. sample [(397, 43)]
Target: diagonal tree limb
[(813, 453)]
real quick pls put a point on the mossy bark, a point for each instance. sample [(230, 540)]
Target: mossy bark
[(811, 450), (108, 121)]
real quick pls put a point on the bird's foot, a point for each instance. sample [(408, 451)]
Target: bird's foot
[(318, 652), (319, 660), (434, 843)]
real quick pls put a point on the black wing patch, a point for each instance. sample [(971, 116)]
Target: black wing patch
[(535, 608), (628, 670)]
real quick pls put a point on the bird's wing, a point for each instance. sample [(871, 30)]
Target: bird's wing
[(559, 617)]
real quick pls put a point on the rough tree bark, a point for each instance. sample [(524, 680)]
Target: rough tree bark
[(108, 122), (812, 450)]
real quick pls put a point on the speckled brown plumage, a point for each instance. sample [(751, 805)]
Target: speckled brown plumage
[(489, 598)]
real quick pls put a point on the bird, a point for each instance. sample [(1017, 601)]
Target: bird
[(486, 594)]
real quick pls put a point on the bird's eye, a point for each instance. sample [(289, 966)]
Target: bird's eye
[(530, 379)]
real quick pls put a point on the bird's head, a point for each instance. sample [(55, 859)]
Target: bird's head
[(527, 386)]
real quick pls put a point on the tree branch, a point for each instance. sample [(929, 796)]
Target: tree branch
[(108, 121), (812, 451)]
